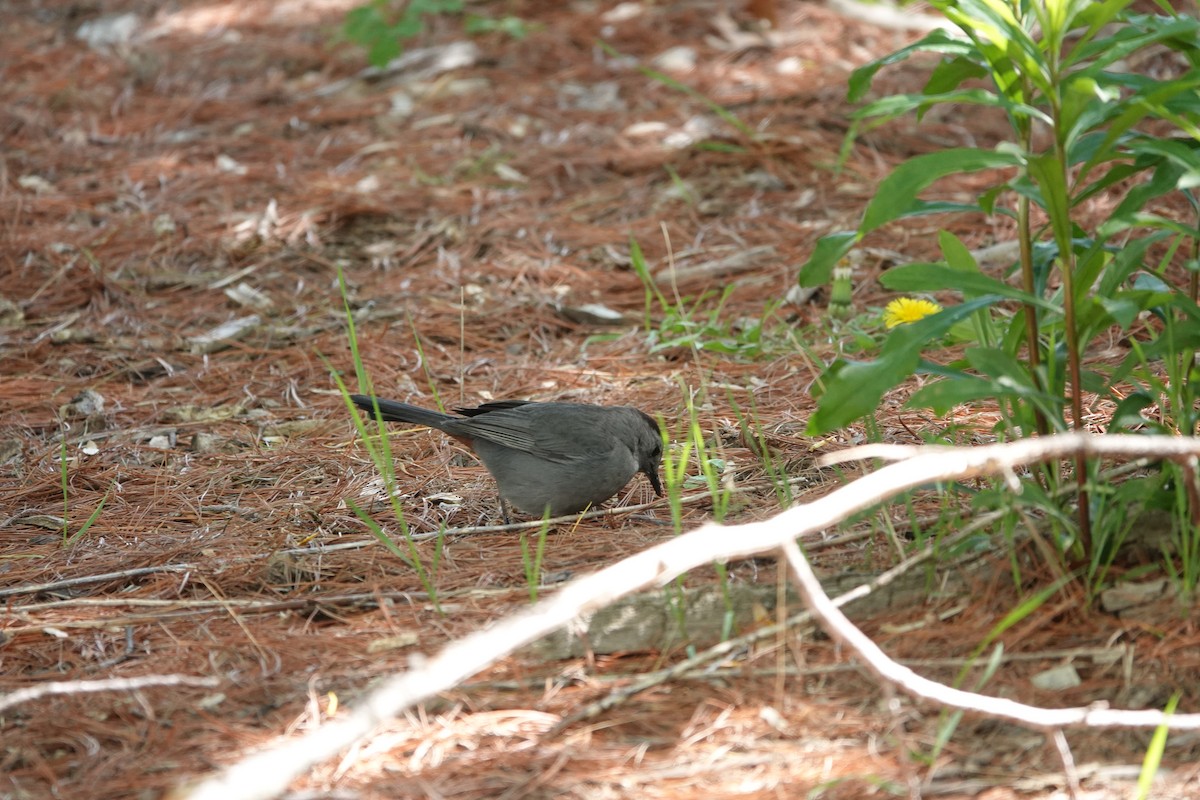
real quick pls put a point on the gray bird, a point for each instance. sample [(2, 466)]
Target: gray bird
[(564, 456)]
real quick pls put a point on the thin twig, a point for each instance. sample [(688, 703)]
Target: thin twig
[(1068, 762), (106, 685), (33, 588)]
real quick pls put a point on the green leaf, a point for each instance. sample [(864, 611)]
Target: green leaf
[(1126, 261), (1059, 20), (1124, 307), (958, 256), (362, 23), (1050, 175), (717, 146), (1095, 15), (1152, 761), (91, 520), (898, 192), (1011, 54), (854, 389), (941, 397), (410, 26), (939, 41), (897, 105), (1084, 105), (1141, 30), (434, 6), (830, 249), (1009, 378), (383, 50), (1000, 367), (987, 201), (1128, 416), (950, 73), (939, 277), (513, 27), (1175, 339), (1181, 153), (1089, 263), (1115, 174), (1152, 99)]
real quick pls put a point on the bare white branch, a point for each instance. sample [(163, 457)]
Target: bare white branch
[(839, 627), (105, 685), (267, 774)]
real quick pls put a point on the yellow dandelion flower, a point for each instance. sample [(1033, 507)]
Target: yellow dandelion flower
[(904, 310)]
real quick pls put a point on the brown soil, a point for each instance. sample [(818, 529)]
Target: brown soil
[(224, 164)]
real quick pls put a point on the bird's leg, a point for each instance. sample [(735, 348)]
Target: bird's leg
[(504, 511)]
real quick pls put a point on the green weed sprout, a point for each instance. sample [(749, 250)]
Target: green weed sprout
[(67, 537), (694, 329), (379, 450), (532, 562)]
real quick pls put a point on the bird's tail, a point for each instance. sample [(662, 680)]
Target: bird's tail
[(391, 411)]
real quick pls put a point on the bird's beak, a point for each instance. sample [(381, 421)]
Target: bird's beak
[(653, 476)]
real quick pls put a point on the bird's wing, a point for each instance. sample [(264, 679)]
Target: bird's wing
[(555, 433), (487, 408)]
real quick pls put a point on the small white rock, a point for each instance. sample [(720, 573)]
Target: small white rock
[(108, 30), (36, 183), (789, 66), (228, 164), (676, 59), (622, 12), (1057, 678)]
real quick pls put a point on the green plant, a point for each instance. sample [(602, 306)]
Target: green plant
[(950, 719), (752, 433), (694, 329), (1052, 68), (513, 27), (379, 28), (681, 188), (379, 450), (675, 462), (1154, 753), (712, 469), (67, 537), (677, 459), (383, 26), (532, 562)]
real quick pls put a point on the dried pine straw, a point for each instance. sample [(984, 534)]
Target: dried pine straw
[(206, 157)]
